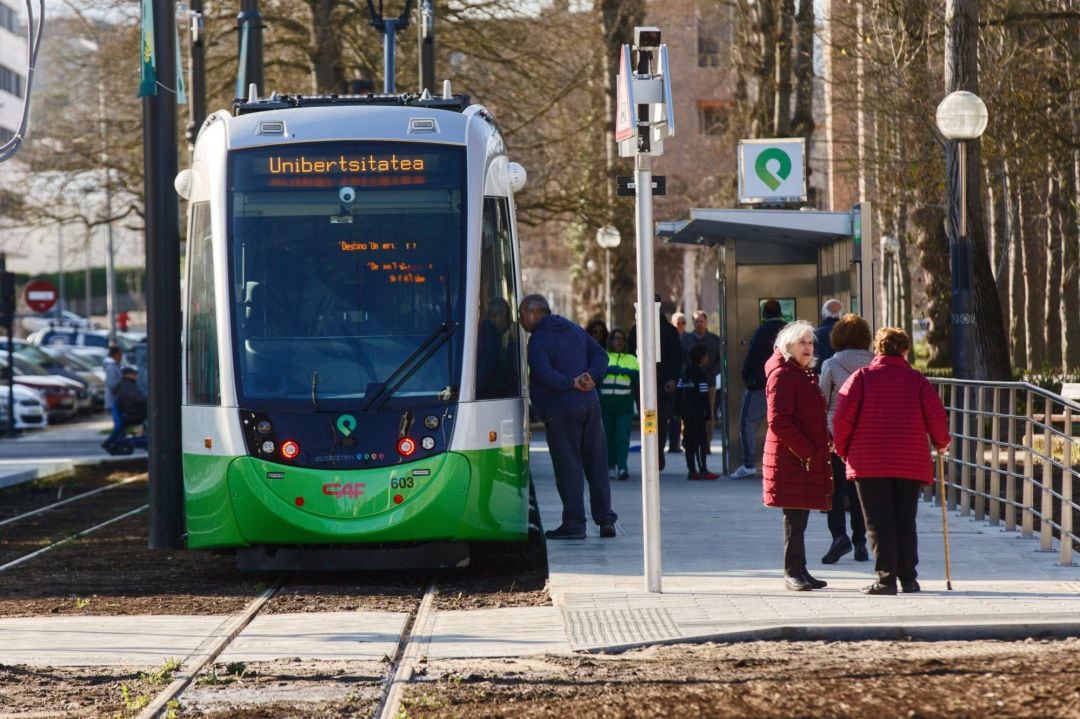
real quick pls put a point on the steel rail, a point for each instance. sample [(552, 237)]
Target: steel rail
[(408, 655), (73, 537), (76, 498)]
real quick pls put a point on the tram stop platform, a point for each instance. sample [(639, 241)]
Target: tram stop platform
[(721, 581)]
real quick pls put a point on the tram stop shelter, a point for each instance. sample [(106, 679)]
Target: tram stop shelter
[(799, 257)]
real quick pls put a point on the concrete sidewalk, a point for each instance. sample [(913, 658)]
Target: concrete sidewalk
[(722, 574), (54, 450), (722, 580)]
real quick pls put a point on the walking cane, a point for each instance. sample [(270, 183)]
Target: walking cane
[(944, 516)]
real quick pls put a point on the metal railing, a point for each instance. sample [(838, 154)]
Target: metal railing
[(1015, 458)]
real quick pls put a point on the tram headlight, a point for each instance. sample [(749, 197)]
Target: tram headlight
[(268, 447), (290, 449), (428, 443), (264, 427), (431, 422)]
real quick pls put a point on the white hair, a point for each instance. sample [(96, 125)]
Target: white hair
[(827, 313), (792, 333)]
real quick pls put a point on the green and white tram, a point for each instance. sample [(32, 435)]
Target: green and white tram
[(353, 367)]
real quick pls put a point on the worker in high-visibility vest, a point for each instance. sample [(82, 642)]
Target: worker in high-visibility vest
[(617, 394)]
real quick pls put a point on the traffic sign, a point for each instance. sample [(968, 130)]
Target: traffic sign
[(40, 295), (625, 108)]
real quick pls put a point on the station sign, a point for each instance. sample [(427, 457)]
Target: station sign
[(40, 295), (772, 171)]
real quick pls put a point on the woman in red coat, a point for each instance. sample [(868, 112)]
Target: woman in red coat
[(884, 413), (796, 466)]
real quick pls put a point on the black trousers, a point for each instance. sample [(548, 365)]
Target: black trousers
[(694, 444), (845, 490), (889, 506), (794, 547)]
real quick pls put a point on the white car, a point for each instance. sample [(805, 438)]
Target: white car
[(42, 320), (29, 411)]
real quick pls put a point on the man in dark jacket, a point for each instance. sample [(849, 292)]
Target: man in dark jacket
[(129, 399), (565, 366), (753, 407)]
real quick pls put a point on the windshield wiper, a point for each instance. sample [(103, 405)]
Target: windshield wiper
[(427, 349), (315, 389)]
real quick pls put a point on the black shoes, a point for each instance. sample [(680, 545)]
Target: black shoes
[(879, 589), (797, 584), (840, 546), (814, 583), (910, 587), (861, 555), (564, 533), (675, 450), (607, 531)]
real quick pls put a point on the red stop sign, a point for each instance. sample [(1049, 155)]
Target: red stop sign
[(40, 295)]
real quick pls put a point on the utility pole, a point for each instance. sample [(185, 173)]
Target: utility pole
[(197, 60), (426, 30), (166, 493), (249, 29), (643, 119)]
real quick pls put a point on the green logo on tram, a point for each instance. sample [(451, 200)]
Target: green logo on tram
[(346, 423)]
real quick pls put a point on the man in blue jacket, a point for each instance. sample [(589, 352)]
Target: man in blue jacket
[(753, 408), (565, 365)]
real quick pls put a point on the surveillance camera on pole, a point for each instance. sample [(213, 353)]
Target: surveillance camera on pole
[(644, 118)]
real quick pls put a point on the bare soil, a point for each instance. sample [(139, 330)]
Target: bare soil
[(764, 680)]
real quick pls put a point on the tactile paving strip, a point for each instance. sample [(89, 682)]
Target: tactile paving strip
[(614, 627)]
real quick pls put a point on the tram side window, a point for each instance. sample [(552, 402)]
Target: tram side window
[(204, 384), (498, 342)]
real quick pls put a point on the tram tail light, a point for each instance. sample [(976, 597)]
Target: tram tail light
[(406, 446), (290, 449)]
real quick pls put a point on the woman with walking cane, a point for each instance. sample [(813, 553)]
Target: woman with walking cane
[(884, 414)]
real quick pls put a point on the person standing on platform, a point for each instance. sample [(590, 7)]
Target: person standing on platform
[(796, 469), (668, 367), (884, 414), (565, 365), (753, 407), (618, 392), (674, 430), (695, 408), (850, 339), (702, 336), (831, 312)]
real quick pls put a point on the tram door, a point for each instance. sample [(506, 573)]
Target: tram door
[(761, 271)]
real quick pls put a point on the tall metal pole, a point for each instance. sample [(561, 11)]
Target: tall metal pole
[(426, 30), (9, 380), (60, 272), (166, 493), (249, 28), (963, 316), (389, 49), (197, 85), (647, 357), (607, 287), (110, 267)]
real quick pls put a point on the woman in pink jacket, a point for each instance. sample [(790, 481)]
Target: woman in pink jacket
[(884, 414), (796, 465)]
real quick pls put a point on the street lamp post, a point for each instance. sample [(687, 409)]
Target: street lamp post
[(608, 237), (961, 116), (110, 267)]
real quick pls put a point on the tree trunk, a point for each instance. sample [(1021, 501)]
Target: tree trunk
[(998, 187), (991, 360), (933, 251), (782, 48), (1034, 273), (1017, 335), (1053, 273), (326, 63), (1070, 260), (802, 121)]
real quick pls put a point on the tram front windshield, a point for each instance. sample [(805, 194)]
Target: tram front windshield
[(346, 273)]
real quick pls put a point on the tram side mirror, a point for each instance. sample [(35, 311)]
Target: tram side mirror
[(518, 176), (182, 183)]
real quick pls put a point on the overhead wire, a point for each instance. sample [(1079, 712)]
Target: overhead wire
[(33, 44)]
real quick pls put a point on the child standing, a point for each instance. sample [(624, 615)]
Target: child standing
[(695, 410)]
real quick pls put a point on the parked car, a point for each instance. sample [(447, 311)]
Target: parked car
[(46, 361), (80, 338), (29, 411), (41, 320), (95, 382), (56, 393)]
